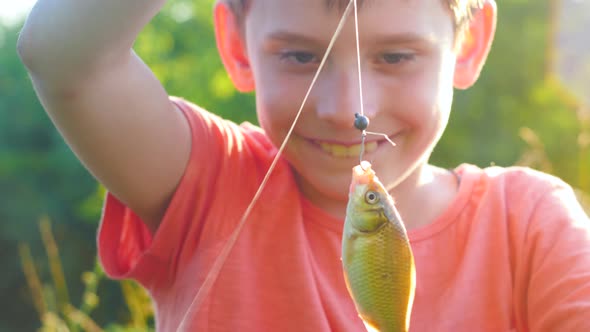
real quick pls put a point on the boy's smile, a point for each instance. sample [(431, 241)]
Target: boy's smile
[(344, 150), (407, 57)]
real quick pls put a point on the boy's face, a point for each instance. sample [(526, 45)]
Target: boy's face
[(407, 58)]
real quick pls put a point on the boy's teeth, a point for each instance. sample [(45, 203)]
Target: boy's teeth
[(355, 150), (339, 150)]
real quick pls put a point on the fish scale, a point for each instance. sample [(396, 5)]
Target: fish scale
[(376, 256)]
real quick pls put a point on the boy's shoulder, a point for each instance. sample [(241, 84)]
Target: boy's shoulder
[(515, 178), (517, 188), (202, 121), (521, 196)]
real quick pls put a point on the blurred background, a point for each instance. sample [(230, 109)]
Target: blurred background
[(531, 107)]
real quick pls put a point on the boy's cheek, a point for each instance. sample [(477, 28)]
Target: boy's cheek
[(278, 99)]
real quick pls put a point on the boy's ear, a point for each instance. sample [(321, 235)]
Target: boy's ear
[(475, 45), (232, 48)]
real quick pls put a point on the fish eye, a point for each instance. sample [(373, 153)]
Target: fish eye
[(371, 197)]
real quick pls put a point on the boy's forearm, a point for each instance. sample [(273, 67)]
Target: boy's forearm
[(66, 39)]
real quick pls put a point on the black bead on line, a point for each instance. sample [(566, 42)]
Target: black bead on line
[(361, 122)]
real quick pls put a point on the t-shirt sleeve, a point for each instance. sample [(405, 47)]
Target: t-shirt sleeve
[(557, 243), (127, 249)]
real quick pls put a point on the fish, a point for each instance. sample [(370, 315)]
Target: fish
[(377, 258)]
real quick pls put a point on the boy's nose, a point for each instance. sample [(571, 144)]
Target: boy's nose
[(339, 99)]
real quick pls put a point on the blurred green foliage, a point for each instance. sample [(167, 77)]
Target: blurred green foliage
[(52, 302), (518, 113)]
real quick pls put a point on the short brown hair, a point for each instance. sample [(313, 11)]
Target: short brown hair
[(462, 10)]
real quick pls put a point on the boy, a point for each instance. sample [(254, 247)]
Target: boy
[(496, 249)]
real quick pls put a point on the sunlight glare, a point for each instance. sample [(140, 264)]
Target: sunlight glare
[(12, 11)]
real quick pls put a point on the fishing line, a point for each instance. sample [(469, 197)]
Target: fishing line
[(218, 264), (361, 121), (383, 135), (358, 57)]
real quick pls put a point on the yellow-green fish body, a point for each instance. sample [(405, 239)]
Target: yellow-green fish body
[(376, 256)]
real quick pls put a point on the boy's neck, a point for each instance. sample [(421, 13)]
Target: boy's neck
[(427, 185)]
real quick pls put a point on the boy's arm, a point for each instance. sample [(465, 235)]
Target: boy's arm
[(106, 103)]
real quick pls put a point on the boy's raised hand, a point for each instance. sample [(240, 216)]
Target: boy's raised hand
[(107, 104)]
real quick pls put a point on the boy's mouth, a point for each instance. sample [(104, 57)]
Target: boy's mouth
[(346, 151)]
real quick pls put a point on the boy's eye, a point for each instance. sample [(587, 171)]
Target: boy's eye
[(298, 57), (395, 58)]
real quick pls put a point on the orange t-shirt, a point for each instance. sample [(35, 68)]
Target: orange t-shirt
[(511, 253)]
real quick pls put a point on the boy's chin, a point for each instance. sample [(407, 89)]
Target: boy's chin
[(319, 187)]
